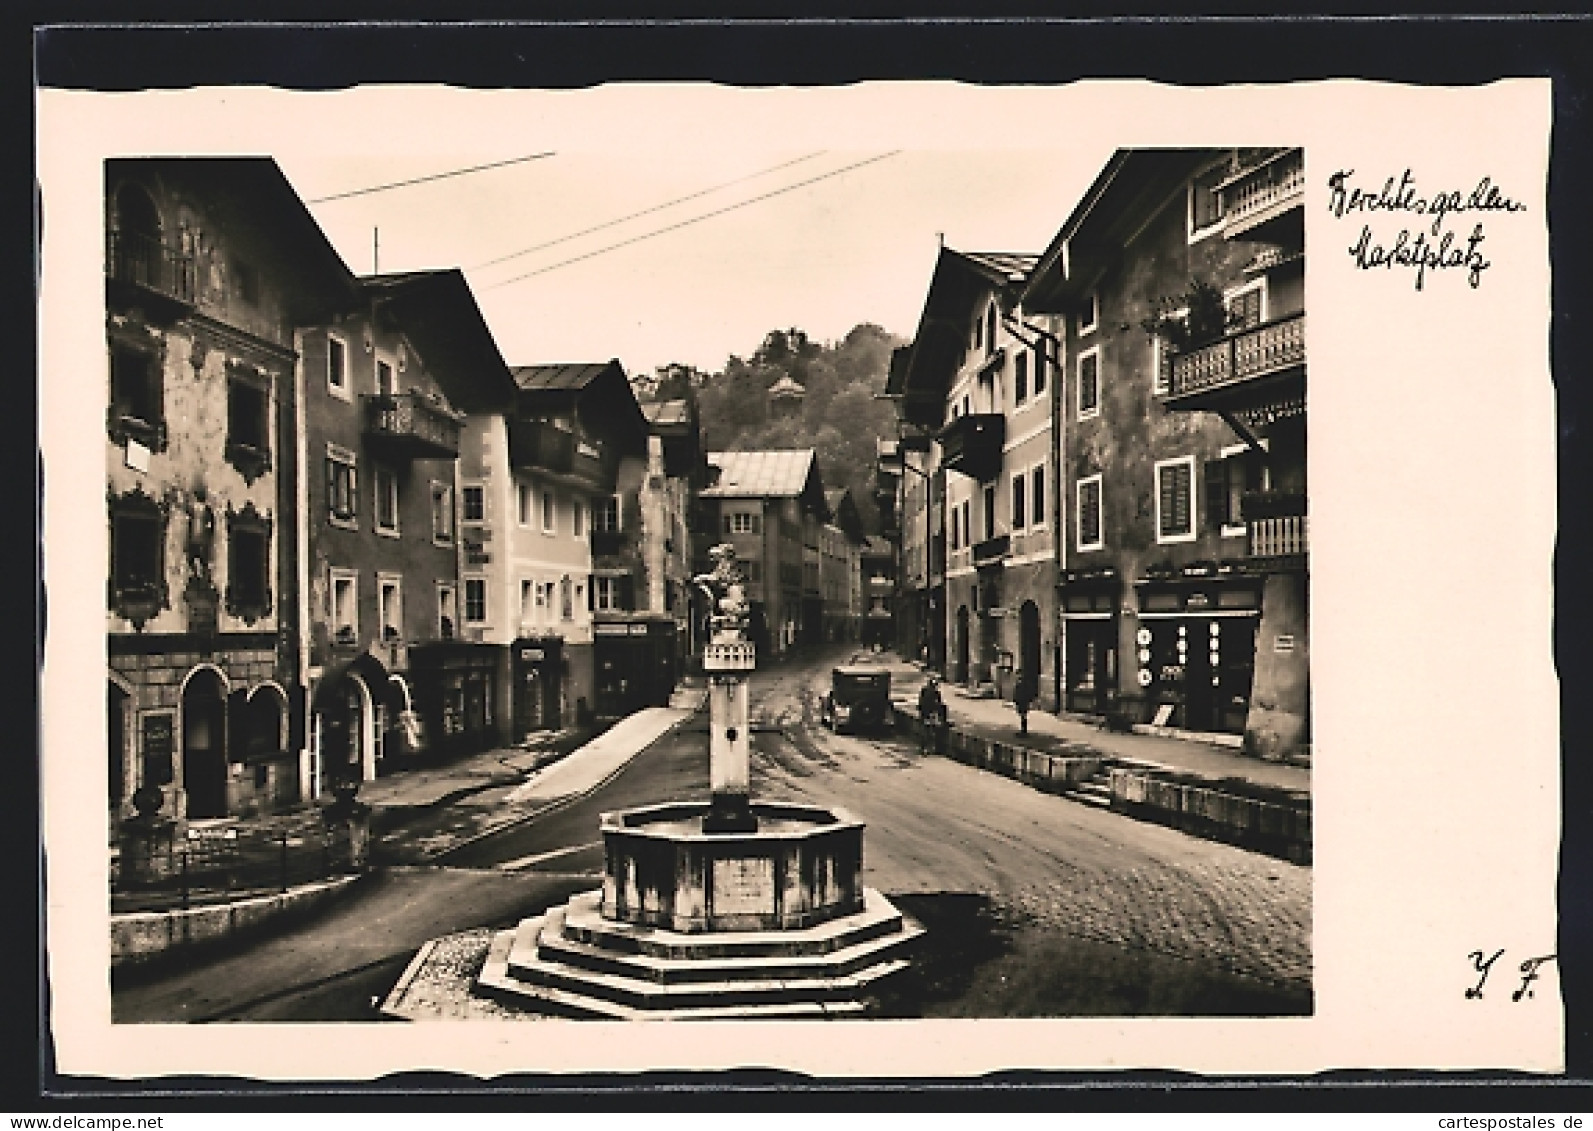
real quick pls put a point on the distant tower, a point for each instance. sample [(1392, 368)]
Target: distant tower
[(785, 399)]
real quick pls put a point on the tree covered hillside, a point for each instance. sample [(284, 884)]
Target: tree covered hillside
[(841, 414)]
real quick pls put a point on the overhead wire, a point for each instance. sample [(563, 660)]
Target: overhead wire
[(646, 211), (430, 177), (694, 220)]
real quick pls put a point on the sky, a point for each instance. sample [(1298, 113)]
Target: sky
[(855, 245)]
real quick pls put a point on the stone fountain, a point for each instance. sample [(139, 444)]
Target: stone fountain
[(724, 908)]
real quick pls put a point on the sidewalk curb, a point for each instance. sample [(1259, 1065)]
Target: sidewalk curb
[(564, 802)]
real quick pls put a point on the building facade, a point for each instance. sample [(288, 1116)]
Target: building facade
[(770, 506), (987, 365), (1184, 593), (840, 575), (385, 388), (210, 264), (877, 568)]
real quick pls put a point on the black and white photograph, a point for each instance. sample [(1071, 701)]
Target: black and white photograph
[(698, 555)]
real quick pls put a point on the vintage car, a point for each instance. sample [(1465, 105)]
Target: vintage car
[(859, 699)]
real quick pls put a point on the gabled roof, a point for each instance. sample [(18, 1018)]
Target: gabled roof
[(665, 413), (576, 375), (437, 312), (786, 387), (843, 512), (959, 285), (252, 195), (780, 474), (1130, 188)]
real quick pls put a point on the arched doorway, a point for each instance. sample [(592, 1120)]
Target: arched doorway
[(205, 744), (347, 752), (1029, 641), (116, 701), (959, 670)]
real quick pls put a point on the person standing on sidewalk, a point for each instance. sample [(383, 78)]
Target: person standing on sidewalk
[(931, 716), (1023, 695)]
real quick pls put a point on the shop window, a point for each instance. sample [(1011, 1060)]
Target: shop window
[(337, 368), (447, 611), (1175, 519), (390, 600), (606, 515), (1088, 519), (1019, 493), (474, 500), (386, 483), (138, 556), (248, 564), (1089, 383), (345, 607), (475, 600), (442, 514), (137, 396), (342, 478)]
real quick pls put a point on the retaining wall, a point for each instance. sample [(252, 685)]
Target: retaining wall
[(145, 936), (1255, 817)]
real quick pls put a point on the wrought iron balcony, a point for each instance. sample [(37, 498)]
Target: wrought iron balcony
[(1279, 528), (992, 550), (1261, 351), (143, 267), (1255, 197), (411, 425), (972, 443)]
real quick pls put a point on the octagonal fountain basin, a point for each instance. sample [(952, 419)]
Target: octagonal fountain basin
[(803, 865)]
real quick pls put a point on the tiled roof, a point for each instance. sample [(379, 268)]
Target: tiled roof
[(567, 376), (1013, 267), (758, 474)]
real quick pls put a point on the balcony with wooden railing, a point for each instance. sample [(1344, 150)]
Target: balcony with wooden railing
[(1210, 375), (411, 425), (1279, 529), (545, 446), (142, 268), (1254, 198)]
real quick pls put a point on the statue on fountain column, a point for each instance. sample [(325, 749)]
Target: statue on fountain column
[(727, 596)]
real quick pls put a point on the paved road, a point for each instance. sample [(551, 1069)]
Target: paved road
[(934, 825)]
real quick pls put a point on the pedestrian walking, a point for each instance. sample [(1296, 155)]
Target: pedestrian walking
[(931, 716), (1023, 695)]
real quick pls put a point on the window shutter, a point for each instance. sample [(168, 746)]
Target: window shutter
[(1216, 493), (1174, 498)]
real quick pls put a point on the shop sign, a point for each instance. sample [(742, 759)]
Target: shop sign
[(610, 629), (532, 655), (638, 629)]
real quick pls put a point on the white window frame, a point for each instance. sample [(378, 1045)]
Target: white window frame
[(395, 583), (343, 391), (1094, 323), (464, 489), (335, 575), (741, 522), (382, 474), (1193, 234), (1100, 513), (605, 594), (486, 602), (1037, 516), (446, 492), (1078, 384), (447, 606), (1156, 500), (1257, 284), (550, 512)]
